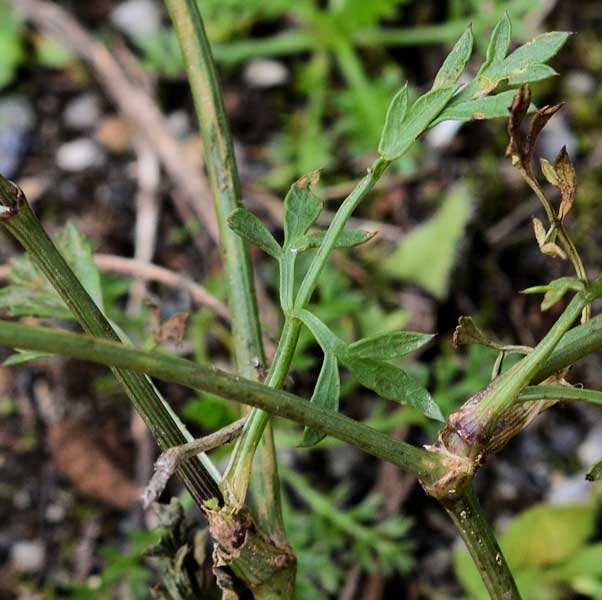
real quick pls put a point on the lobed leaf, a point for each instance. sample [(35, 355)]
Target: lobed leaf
[(301, 208), (326, 395), (250, 228), (453, 66), (391, 383), (389, 345)]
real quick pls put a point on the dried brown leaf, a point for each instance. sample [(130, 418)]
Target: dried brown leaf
[(538, 122), (567, 182), (77, 456), (518, 111)]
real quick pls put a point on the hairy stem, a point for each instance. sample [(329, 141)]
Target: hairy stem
[(18, 218), (479, 538)]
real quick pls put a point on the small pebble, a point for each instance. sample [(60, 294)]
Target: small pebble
[(137, 18), (82, 112), (579, 83), (568, 490), (442, 134), (28, 556), (265, 73), (16, 122), (78, 155), (590, 450)]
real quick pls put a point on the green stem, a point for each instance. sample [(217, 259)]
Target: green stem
[(558, 392), (242, 457), (425, 465), (337, 224), (480, 540), (225, 186), (509, 385), (575, 345), (241, 462), (167, 429)]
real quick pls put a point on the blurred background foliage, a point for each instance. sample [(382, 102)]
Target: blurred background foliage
[(306, 85)]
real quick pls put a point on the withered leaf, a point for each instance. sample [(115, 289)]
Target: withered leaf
[(538, 122), (467, 332), (567, 182), (518, 111)]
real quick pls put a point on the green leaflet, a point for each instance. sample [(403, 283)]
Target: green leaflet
[(427, 254), (329, 342), (348, 238), (393, 127), (453, 66), (249, 227), (24, 356), (526, 64), (301, 208), (30, 294), (389, 345), (398, 137), (386, 380), (555, 290), (326, 395), (488, 107), (391, 383), (532, 74), (499, 42)]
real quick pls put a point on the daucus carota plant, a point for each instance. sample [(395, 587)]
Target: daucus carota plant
[(251, 550)]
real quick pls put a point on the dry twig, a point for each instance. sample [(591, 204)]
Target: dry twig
[(170, 460)]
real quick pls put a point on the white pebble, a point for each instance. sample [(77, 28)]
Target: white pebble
[(78, 155), (265, 73), (138, 18), (28, 556)]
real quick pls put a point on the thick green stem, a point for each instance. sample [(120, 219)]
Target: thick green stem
[(480, 540), (279, 403), (575, 345), (168, 430), (225, 186), (507, 387)]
